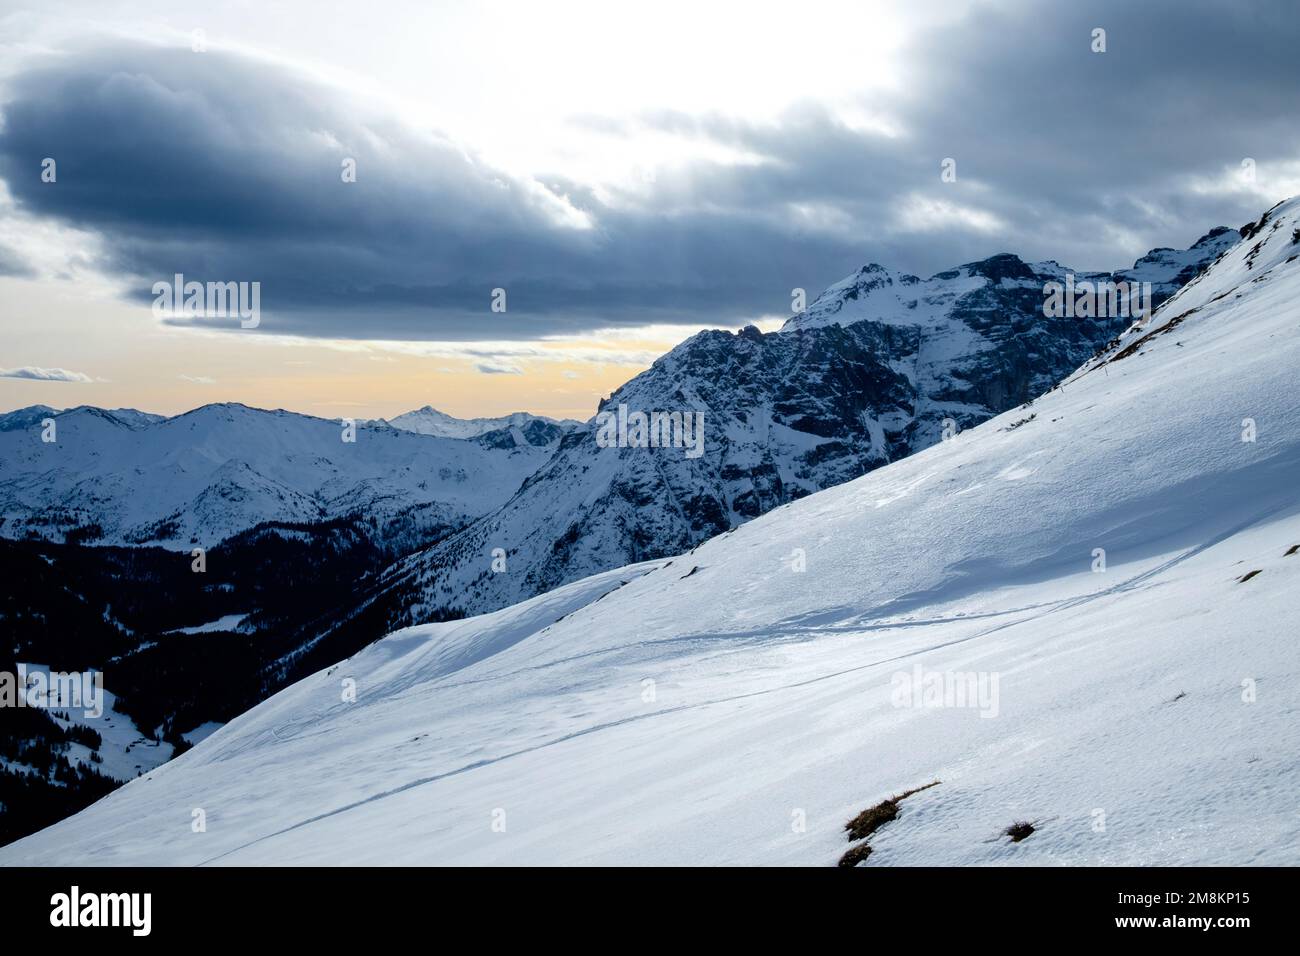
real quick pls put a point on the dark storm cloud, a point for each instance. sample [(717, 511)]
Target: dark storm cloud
[(226, 168), (1072, 142), (1067, 148)]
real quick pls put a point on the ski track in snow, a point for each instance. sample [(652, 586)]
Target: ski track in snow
[(1135, 581)]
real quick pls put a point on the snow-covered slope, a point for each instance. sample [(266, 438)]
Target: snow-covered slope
[(740, 703), (197, 478), (875, 369)]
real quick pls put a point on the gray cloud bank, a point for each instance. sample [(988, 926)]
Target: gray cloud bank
[(35, 374), (223, 167)]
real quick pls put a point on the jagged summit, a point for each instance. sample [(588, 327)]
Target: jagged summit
[(877, 293), (429, 421)]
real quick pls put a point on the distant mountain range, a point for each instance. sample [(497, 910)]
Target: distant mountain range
[(131, 478), (869, 373), (532, 429)]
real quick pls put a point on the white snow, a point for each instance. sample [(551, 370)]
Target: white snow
[(125, 751), (429, 421), (203, 731), (884, 295), (696, 711), (227, 622), (202, 476)]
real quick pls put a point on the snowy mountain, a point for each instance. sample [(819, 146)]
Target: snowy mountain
[(126, 477), (947, 304), (1110, 573), (524, 428), (874, 370), (33, 415)]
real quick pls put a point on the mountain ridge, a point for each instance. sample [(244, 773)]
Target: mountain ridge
[(864, 376), (142, 481)]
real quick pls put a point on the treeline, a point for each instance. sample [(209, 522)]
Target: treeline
[(74, 607), (38, 786)]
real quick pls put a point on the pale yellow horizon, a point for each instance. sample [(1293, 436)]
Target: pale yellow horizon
[(125, 358)]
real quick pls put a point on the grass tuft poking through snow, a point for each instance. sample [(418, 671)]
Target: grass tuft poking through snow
[(870, 820), (856, 855), (1018, 831)]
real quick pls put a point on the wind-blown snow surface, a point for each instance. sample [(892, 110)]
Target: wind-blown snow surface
[(1122, 731)]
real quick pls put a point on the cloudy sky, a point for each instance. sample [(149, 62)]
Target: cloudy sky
[(626, 173)]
